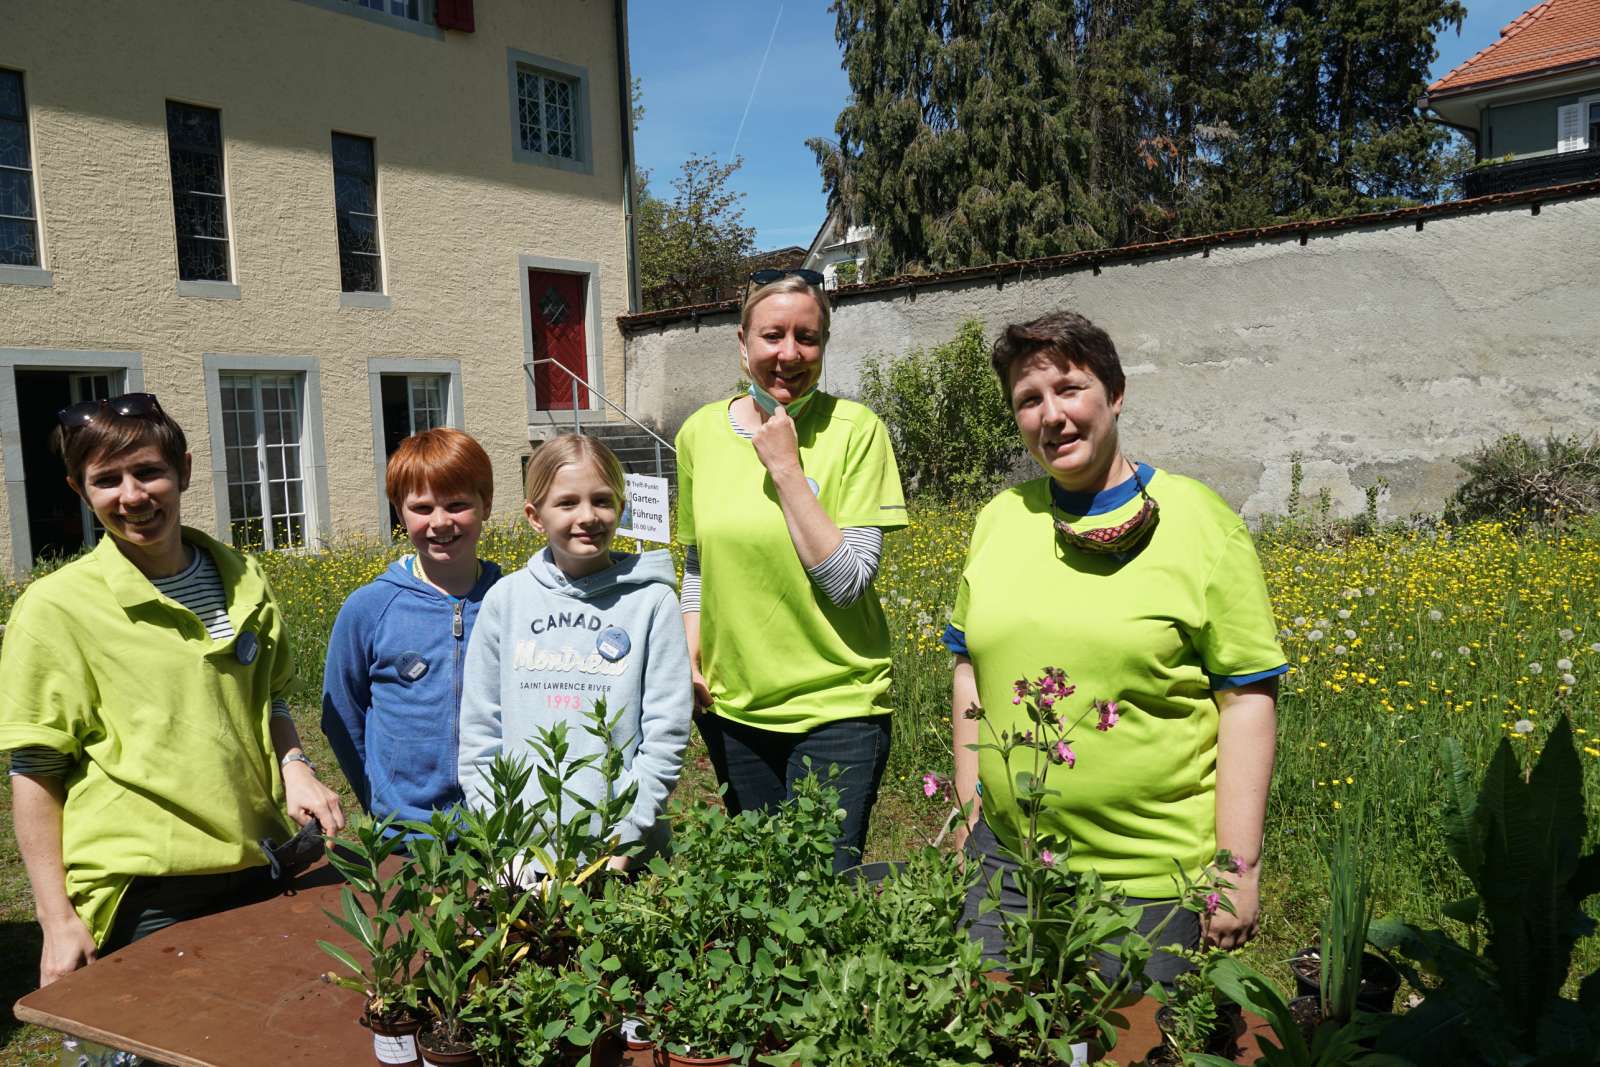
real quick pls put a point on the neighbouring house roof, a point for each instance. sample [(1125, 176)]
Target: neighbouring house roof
[(1551, 37)]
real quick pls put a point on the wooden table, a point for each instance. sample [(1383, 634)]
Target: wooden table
[(244, 989)]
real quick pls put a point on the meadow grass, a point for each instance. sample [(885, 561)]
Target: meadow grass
[(1397, 640)]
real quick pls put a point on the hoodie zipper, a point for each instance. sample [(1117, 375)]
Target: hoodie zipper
[(457, 628)]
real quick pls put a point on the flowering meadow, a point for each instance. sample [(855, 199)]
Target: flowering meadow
[(1396, 640)]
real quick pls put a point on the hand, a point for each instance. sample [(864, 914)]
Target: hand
[(617, 864), (702, 691), (306, 798), (1229, 932), (776, 444), (68, 945)]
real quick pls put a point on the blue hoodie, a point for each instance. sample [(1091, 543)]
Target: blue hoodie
[(391, 690), (547, 647)]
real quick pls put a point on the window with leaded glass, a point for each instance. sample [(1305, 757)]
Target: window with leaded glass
[(546, 113), (199, 196), (261, 434), (19, 226), (355, 198)]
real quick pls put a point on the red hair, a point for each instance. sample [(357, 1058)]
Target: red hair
[(444, 460)]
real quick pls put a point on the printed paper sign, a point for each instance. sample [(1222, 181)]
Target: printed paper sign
[(645, 517)]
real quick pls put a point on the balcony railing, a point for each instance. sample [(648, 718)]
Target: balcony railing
[(1532, 173)]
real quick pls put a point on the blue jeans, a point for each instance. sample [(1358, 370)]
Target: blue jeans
[(760, 767)]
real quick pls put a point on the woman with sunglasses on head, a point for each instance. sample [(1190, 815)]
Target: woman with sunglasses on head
[(1145, 587), (141, 698), (783, 497)]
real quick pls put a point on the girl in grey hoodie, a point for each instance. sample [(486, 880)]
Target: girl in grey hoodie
[(577, 624)]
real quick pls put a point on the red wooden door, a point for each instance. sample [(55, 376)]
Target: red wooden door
[(558, 333)]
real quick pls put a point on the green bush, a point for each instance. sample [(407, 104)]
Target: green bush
[(1521, 480), (953, 433)]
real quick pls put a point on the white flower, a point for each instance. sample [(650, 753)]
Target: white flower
[(1595, 647), (1351, 594), (1299, 569), (1369, 591), (1435, 615), (1569, 680), (1344, 613), (1436, 654), (1565, 634), (1535, 667), (1323, 622), (1300, 620), (1339, 650), (1351, 634), (1563, 664), (1523, 726), (1463, 651), (1314, 635)]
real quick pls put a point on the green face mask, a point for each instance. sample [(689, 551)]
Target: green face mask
[(769, 403)]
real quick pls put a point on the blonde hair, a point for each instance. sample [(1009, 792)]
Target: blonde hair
[(572, 448), (789, 283)]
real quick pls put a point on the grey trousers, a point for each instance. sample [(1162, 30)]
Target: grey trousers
[(1164, 967)]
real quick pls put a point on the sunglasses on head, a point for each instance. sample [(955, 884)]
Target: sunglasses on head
[(768, 275), (128, 405)]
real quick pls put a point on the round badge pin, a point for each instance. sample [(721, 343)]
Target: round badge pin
[(245, 649), (412, 666), (613, 643), (816, 490)]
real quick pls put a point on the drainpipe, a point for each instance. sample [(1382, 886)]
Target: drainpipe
[(1430, 115), (625, 96)]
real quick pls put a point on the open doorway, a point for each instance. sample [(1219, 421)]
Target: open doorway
[(60, 524), (411, 403)]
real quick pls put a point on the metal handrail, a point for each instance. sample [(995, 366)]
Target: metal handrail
[(577, 424)]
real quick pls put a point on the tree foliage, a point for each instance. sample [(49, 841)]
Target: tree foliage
[(691, 245), (985, 130)]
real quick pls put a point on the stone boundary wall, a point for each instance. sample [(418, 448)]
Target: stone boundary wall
[(1385, 347)]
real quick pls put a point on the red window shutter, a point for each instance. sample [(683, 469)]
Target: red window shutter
[(454, 15)]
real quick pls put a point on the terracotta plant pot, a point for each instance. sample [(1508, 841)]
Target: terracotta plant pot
[(394, 1038), (636, 1035), (672, 1059), (1379, 979)]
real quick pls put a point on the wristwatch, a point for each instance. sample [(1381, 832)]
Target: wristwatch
[(297, 757)]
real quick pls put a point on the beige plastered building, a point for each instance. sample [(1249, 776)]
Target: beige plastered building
[(181, 165)]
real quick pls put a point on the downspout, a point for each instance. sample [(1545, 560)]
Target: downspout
[(625, 98), (1429, 115)]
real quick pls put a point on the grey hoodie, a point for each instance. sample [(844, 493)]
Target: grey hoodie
[(545, 647)]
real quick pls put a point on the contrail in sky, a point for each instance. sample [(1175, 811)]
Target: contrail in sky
[(759, 71)]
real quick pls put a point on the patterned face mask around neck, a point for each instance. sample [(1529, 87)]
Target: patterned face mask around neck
[(1121, 539)]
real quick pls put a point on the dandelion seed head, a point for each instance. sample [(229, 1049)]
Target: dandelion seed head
[(1563, 664), (1434, 615), (1535, 667), (1344, 613), (1565, 634), (1523, 726), (1569, 679), (1314, 635)]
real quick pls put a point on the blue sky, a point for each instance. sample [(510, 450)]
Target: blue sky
[(701, 64)]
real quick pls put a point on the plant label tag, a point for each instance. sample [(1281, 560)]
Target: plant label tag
[(613, 643), (395, 1048), (246, 648), (412, 666), (1080, 1054)]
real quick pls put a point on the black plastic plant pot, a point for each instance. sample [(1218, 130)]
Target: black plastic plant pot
[(1221, 1041), (439, 1051), (1380, 982)]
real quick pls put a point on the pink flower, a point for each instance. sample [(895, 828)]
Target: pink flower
[(1213, 901), (1108, 716), (1064, 754), (1236, 865), (1047, 858), (931, 784)]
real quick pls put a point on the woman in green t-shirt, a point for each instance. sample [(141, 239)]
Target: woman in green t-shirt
[(783, 496), (1145, 588)]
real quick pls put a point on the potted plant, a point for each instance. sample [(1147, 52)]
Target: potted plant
[(1194, 1016), (374, 921), (1330, 1044), (718, 1011)]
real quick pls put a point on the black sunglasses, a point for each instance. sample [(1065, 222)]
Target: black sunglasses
[(768, 275), (128, 405)]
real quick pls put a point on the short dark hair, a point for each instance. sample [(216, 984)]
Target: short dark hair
[(110, 434), (1066, 335)]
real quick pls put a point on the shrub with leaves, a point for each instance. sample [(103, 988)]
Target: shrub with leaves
[(1518, 479), (953, 434)]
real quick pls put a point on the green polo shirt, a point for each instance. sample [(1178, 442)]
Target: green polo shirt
[(175, 772), (775, 651), (1159, 633)]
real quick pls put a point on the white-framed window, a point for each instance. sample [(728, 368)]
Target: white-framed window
[(408, 396), (1594, 124), (1578, 125), (19, 221), (417, 16), (549, 112), (268, 468), (199, 192), (355, 199), (406, 10)]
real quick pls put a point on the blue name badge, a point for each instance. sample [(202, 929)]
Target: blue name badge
[(613, 643), (245, 649), (412, 666)]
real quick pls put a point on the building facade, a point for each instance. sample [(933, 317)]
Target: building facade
[(1530, 100), (310, 227)]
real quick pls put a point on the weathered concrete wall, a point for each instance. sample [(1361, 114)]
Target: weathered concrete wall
[(457, 211), (1382, 352)]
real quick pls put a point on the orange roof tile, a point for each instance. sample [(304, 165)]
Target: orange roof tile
[(1553, 35)]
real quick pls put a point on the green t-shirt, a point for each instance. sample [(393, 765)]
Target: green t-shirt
[(775, 651), (175, 772), (1158, 633)]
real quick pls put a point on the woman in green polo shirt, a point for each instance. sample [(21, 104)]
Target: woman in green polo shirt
[(1145, 588), (783, 497), (141, 695)]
